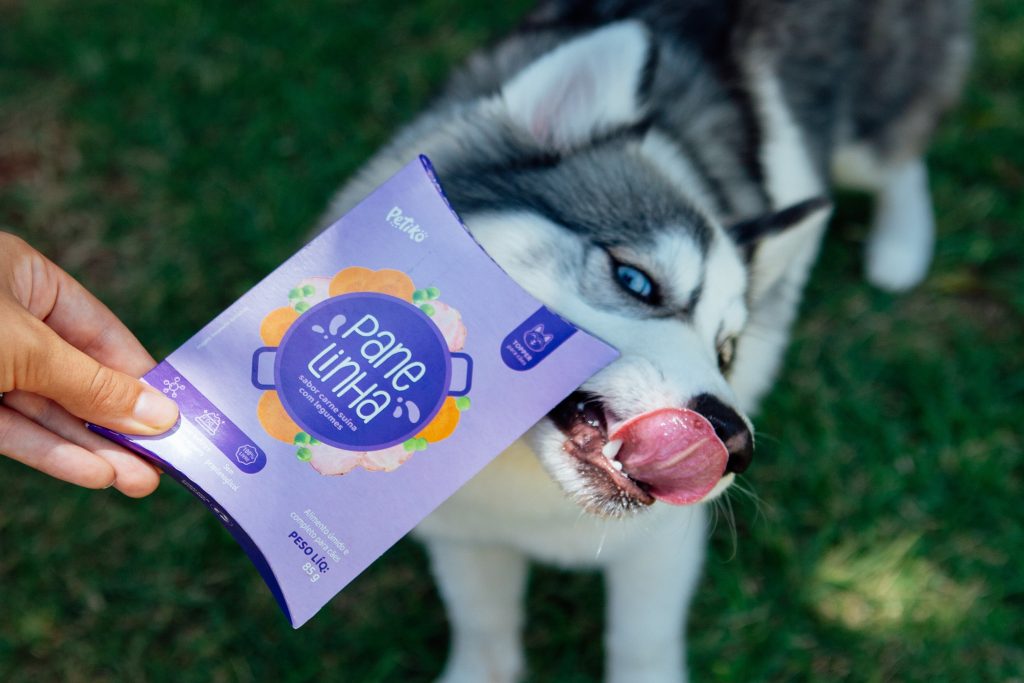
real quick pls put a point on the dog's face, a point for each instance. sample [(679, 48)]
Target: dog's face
[(673, 306), (604, 220)]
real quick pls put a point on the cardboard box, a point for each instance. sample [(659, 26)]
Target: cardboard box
[(342, 399)]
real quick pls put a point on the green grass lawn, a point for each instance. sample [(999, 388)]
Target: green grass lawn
[(170, 154)]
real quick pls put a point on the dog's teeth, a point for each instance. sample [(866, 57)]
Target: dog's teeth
[(611, 449), (617, 465)]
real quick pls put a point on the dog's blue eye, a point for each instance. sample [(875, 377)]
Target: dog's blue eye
[(635, 281)]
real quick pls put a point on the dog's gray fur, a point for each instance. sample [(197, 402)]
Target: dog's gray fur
[(752, 106), (876, 72)]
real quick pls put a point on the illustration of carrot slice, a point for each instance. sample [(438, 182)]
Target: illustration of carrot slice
[(443, 424), (275, 421), (276, 323), (393, 282), (354, 279), (385, 281)]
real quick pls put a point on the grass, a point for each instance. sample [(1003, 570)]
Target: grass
[(170, 154)]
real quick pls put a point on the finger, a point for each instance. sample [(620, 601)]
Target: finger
[(80, 318), (134, 476), (92, 391), (23, 440)]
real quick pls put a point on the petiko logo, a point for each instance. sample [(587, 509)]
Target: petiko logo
[(407, 224)]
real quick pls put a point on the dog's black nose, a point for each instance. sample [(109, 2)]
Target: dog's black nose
[(730, 428)]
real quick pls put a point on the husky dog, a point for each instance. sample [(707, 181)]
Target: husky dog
[(656, 172)]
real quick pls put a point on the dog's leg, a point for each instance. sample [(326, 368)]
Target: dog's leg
[(899, 249), (482, 587), (649, 592)]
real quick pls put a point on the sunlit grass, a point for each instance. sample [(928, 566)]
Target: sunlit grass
[(885, 587)]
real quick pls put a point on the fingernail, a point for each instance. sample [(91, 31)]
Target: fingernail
[(155, 410)]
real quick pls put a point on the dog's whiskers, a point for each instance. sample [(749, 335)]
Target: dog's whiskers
[(747, 490), (600, 545), (714, 518), (730, 517), (768, 436)]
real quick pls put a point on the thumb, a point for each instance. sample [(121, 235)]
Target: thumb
[(92, 391)]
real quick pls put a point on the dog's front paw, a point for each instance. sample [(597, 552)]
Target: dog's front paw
[(899, 249), (897, 262), (648, 676), (664, 666), (476, 676), (502, 666)]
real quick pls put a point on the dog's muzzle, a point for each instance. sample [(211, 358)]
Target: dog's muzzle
[(673, 454)]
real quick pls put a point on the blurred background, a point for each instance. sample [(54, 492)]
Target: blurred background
[(170, 154)]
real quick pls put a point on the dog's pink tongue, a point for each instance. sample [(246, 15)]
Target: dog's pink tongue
[(675, 452)]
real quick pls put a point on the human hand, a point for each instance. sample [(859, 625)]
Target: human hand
[(64, 358)]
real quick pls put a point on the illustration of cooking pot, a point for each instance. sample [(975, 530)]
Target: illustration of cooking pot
[(362, 371)]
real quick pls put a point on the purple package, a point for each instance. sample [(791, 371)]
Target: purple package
[(348, 394)]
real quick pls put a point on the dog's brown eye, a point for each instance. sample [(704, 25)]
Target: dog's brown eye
[(726, 352)]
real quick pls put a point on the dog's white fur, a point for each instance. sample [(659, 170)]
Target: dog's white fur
[(482, 538)]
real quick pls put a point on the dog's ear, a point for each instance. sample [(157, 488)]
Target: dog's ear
[(589, 86), (749, 233), (771, 242)]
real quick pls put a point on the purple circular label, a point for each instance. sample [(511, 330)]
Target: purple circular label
[(363, 371)]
